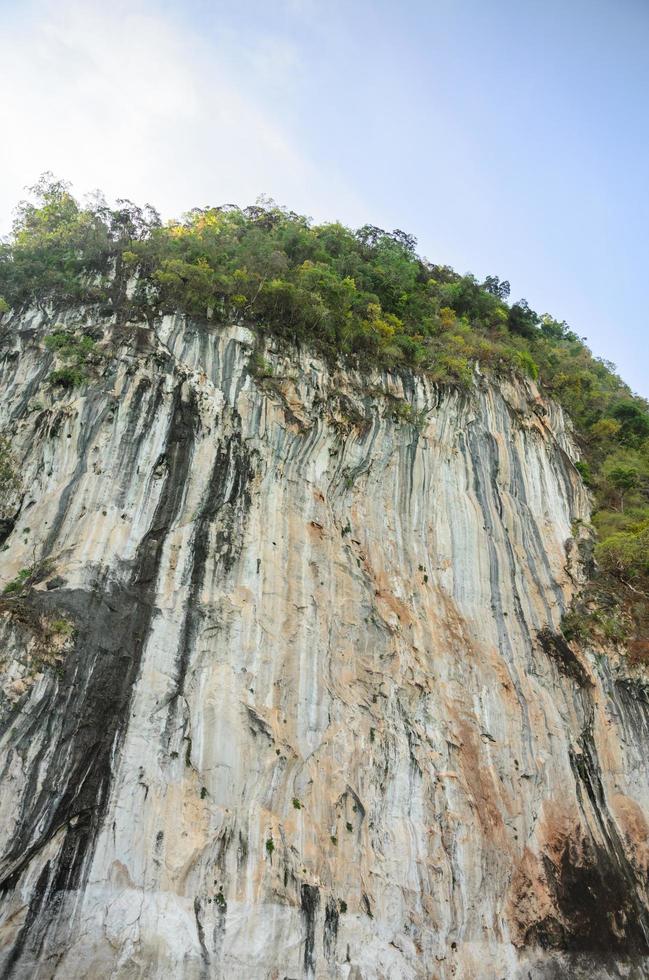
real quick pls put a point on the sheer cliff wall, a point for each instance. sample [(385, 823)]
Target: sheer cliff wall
[(284, 694)]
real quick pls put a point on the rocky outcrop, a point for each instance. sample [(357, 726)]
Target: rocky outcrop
[(285, 693)]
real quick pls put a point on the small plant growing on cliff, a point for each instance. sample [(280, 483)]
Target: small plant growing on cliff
[(575, 626), (68, 344), (220, 901), (403, 412), (260, 367), (16, 585), (62, 627), (68, 378), (77, 352), (296, 803), (270, 846)]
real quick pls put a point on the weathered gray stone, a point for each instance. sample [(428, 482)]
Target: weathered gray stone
[(316, 720)]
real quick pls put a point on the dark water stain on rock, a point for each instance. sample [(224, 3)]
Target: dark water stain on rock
[(330, 930), (596, 894), (80, 723), (227, 497), (309, 901), (566, 660), (602, 894)]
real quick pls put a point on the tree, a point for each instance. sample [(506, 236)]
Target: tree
[(626, 554), (634, 422), (408, 242), (557, 330), (493, 285), (624, 478), (522, 320)]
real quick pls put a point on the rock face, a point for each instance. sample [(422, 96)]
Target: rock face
[(285, 694)]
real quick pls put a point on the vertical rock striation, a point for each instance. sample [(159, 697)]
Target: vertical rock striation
[(310, 713)]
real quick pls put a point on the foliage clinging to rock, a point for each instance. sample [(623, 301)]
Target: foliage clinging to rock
[(9, 481), (363, 295)]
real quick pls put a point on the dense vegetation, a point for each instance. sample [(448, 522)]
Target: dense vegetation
[(363, 295)]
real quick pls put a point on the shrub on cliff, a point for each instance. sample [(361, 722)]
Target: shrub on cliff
[(626, 553), (9, 479), (76, 353)]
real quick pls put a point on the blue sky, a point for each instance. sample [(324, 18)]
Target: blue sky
[(512, 138)]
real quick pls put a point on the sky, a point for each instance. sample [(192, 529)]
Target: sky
[(511, 138)]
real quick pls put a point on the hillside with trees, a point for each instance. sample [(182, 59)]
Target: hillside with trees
[(359, 296)]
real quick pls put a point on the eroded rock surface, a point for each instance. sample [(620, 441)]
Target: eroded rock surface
[(316, 718)]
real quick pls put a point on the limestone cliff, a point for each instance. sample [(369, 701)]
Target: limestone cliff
[(284, 689)]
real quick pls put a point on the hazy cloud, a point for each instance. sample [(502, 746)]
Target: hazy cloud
[(117, 96)]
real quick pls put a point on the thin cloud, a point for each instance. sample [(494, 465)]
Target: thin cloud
[(116, 96)]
